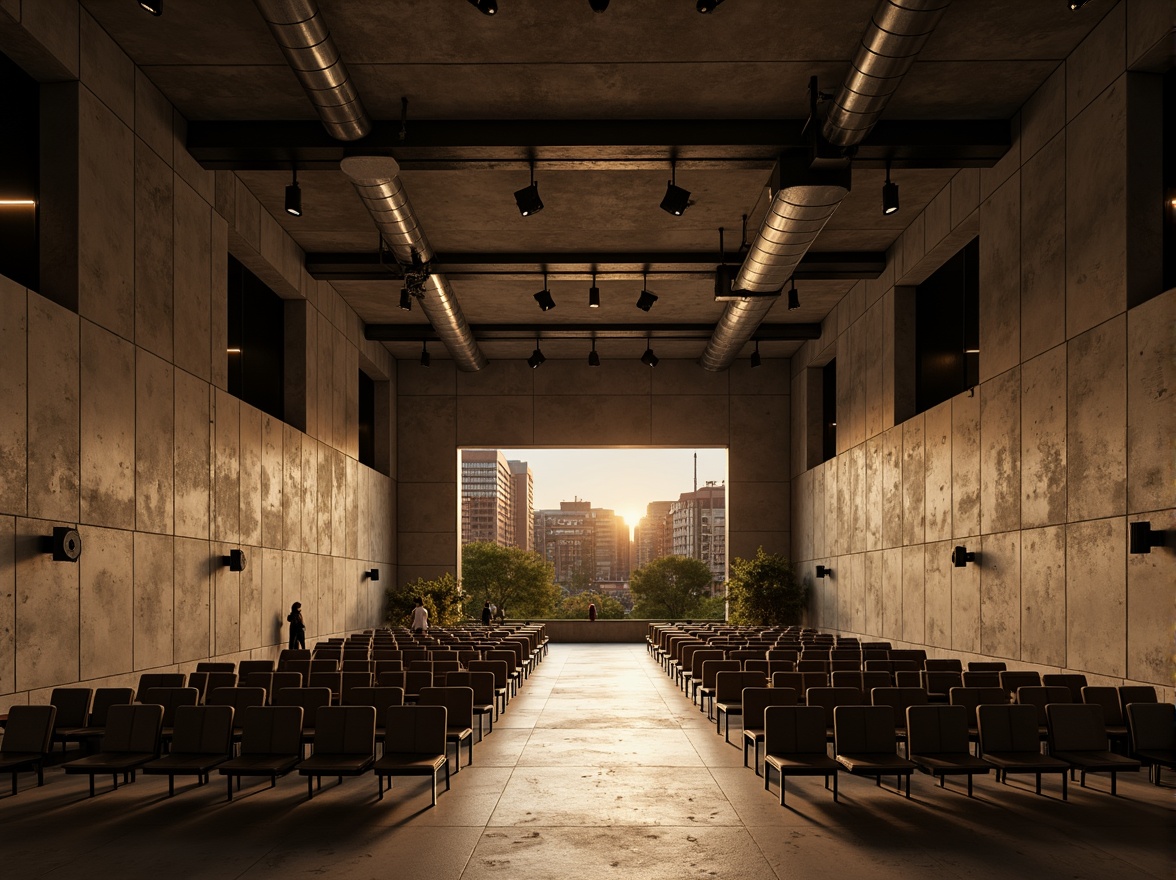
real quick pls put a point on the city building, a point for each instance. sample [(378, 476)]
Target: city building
[(653, 536), (585, 544), (496, 499), (522, 484), (699, 527)]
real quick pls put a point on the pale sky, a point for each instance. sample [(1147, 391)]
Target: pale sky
[(623, 480)]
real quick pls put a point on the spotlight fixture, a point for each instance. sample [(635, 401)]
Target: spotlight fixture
[(676, 200), (598, 5), (527, 198), (646, 300), (405, 299), (1075, 5), (889, 193), (372, 575), (649, 358), (425, 358), (486, 7), (755, 356), (960, 556), (65, 544), (1143, 537), (543, 297), (593, 357), (155, 7), (294, 197), (593, 294), (707, 6), (536, 357), (236, 560), (823, 572), (793, 296)]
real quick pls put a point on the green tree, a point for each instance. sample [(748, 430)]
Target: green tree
[(520, 583), (442, 598), (765, 591), (673, 587), (576, 607)]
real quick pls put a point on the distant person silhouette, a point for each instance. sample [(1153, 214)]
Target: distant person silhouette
[(297, 627), (592, 612)]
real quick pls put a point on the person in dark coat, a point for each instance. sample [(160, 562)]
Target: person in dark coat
[(592, 612), (297, 627), (486, 614)]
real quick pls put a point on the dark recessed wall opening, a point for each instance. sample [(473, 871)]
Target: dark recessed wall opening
[(19, 168), (367, 420), (1169, 152), (829, 410), (256, 342), (947, 329)]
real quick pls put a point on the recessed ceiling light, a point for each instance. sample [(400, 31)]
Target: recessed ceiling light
[(155, 7)]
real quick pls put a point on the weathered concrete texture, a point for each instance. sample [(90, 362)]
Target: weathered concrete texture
[(873, 493), (1150, 601), (226, 597), (1096, 435), (191, 280), (46, 611), (192, 569), (250, 476), (292, 537), (1043, 439), (1151, 417), (1000, 594), (154, 444), (271, 613), (153, 252), (14, 418), (1043, 596), (193, 449), (1000, 280), (965, 606), (226, 494), (937, 471), (965, 464), (872, 588), (1096, 596), (53, 442), (154, 578), (106, 601), (7, 604), (1000, 453), (1043, 249), (818, 510), (107, 428), (937, 594), (1096, 62), (892, 487), (913, 481), (913, 573)]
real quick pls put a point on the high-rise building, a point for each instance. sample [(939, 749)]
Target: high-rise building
[(700, 527), (583, 543), (496, 499), (523, 496), (653, 536)]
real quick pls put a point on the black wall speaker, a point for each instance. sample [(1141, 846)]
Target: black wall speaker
[(236, 560), (65, 544)]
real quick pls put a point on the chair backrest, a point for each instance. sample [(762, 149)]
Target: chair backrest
[(1076, 727), (240, 698), (972, 697), (787, 654), (1019, 678), (28, 729), (381, 654), (292, 655), (379, 698), (332, 681), (1041, 697), (203, 730), (936, 729), (1151, 726), (799, 681), (899, 699), (215, 666), (247, 666), (272, 730), (345, 730), (729, 685), (309, 699), (495, 667), (981, 678), (1128, 694), (415, 730), (416, 680), (104, 698), (73, 706), (863, 681), (351, 680), (133, 728), (793, 730), (388, 666), (149, 680), (943, 664), (905, 678), (864, 730), (743, 655), (700, 657), (170, 698), (1075, 681), (805, 664), (1007, 728), (368, 666), (482, 684), (217, 679), (757, 699), (829, 698), (1108, 698), (916, 655), (458, 702), (986, 666), (410, 654), (324, 664), (939, 681), (711, 669)]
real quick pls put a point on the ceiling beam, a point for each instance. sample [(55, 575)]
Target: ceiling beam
[(672, 266), (443, 145), (507, 332)]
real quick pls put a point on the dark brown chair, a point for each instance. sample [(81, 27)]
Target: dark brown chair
[(170, 698), (132, 739), (729, 696), (482, 684), (829, 698), (1078, 737), (414, 745), (1040, 697), (756, 700), (344, 745), (73, 712), (459, 709), (1153, 736), (863, 681), (247, 666), (1019, 678), (864, 743), (972, 697), (149, 680), (943, 664), (202, 739), (1108, 698), (216, 666), (799, 681), (986, 666), (710, 670), (239, 699), (28, 738), (937, 741), (794, 745), (498, 669), (981, 678), (1009, 742), (899, 700), (95, 728), (1129, 693), (938, 683), (1075, 681), (271, 745), (310, 700)]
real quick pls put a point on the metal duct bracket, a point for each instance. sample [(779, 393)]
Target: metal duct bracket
[(822, 153), (725, 286), (795, 169)]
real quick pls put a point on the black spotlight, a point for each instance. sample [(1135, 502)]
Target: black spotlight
[(649, 358), (593, 357), (646, 300), (405, 299), (823, 572), (536, 357), (294, 197), (793, 297), (527, 198), (889, 194), (676, 200), (155, 7), (425, 359), (598, 5), (543, 297), (593, 294), (960, 556), (1075, 5), (755, 356), (486, 7), (705, 6)]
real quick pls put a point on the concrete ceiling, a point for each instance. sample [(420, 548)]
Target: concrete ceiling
[(557, 60)]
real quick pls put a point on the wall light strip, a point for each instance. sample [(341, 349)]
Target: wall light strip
[(18, 203)]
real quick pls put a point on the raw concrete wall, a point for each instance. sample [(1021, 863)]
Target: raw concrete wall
[(115, 415), (1068, 436), (567, 403)]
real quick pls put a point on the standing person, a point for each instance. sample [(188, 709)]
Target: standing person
[(297, 627), (420, 617), (486, 614), (592, 612), (493, 611)]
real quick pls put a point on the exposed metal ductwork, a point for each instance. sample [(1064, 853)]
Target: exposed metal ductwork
[(377, 181), (304, 38), (798, 213)]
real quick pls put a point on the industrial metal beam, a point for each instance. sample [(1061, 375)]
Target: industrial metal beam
[(443, 145), (500, 332), (672, 266)]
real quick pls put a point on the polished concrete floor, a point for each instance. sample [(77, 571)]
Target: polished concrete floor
[(600, 768)]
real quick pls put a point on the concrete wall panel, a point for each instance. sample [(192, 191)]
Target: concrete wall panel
[(1000, 453), (153, 583), (53, 444), (1151, 417), (1096, 417), (937, 594), (107, 428), (14, 390), (913, 482), (1043, 250), (1000, 594), (154, 245), (965, 464), (47, 625), (1043, 596), (937, 471), (1043, 439), (107, 602), (1096, 596)]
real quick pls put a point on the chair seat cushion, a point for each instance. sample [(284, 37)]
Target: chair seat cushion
[(955, 762), (259, 765), (109, 762), (1098, 760), (409, 764), (1026, 762), (875, 763), (189, 763), (816, 763), (11, 760), (1167, 757), (458, 733), (730, 708), (336, 765)]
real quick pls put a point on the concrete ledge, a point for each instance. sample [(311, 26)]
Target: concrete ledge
[(566, 631)]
